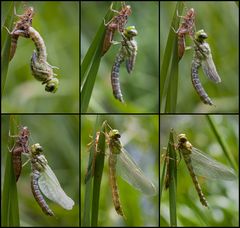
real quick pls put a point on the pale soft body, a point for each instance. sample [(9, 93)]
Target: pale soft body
[(43, 180)]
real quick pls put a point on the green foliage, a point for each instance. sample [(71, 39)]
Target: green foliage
[(10, 211), (59, 136), (58, 24), (140, 90), (214, 19)]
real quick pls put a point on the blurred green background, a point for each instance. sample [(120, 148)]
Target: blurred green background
[(222, 196), (140, 89), (58, 24), (139, 135), (220, 22), (59, 137)]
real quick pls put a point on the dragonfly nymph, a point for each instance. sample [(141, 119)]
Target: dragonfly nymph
[(203, 57), (20, 147), (43, 180), (200, 164), (186, 28), (116, 23)]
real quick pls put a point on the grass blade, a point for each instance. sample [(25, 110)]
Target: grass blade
[(222, 143), (10, 210), (169, 68), (91, 62)]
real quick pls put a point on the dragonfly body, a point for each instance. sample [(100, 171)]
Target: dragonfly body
[(185, 148), (203, 57), (115, 148), (128, 52), (43, 180), (121, 163), (20, 146), (202, 165)]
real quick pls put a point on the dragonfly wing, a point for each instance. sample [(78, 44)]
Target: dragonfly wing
[(208, 66), (52, 189), (131, 173), (210, 168)]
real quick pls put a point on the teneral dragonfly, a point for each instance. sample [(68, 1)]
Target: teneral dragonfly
[(203, 57), (121, 163), (198, 163), (43, 180)]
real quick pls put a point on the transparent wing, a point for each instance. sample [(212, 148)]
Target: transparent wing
[(210, 168), (52, 189), (208, 65), (131, 173)]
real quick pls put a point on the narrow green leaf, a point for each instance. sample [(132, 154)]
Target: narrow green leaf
[(10, 210), (98, 171), (172, 179), (169, 68), (91, 62), (221, 142), (6, 40)]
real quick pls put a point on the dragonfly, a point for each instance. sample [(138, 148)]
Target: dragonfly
[(203, 57), (43, 180), (128, 52), (198, 163), (121, 163)]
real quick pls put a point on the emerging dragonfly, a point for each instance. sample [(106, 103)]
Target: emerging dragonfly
[(128, 52), (43, 180), (198, 163), (203, 57), (121, 163)]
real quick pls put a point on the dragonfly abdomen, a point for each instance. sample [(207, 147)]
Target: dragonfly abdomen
[(37, 193), (188, 162), (113, 181), (196, 63), (115, 77)]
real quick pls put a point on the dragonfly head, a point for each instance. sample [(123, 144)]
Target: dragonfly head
[(182, 138), (200, 36), (130, 32), (36, 149), (114, 134), (52, 85)]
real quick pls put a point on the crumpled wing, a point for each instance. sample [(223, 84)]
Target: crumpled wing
[(52, 189), (210, 168), (208, 66), (131, 173)]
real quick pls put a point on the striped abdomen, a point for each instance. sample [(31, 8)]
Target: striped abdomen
[(115, 77), (195, 180), (37, 193), (112, 176), (196, 63)]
